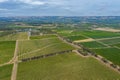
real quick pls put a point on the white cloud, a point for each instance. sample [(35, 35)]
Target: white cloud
[(32, 2), (3, 1)]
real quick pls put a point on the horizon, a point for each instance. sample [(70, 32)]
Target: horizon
[(59, 8), (59, 16)]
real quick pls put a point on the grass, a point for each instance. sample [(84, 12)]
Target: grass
[(118, 45), (49, 49), (112, 54), (97, 34), (5, 72), (6, 51), (93, 44), (42, 37), (73, 38), (111, 41), (65, 67), (13, 37), (44, 46)]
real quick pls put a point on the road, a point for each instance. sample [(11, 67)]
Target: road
[(14, 70)]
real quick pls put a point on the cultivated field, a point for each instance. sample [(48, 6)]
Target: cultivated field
[(111, 41), (112, 54), (59, 60), (106, 44), (69, 66), (6, 51), (98, 34), (5, 72), (74, 38), (42, 37), (40, 47), (93, 44), (15, 36)]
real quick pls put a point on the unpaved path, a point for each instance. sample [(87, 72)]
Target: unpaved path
[(107, 29), (14, 71), (98, 58), (85, 40)]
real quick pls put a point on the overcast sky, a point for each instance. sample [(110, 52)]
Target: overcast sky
[(59, 7)]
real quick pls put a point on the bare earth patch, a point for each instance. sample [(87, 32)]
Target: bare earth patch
[(85, 40), (107, 29)]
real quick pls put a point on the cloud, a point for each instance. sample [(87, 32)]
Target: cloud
[(3, 9), (3, 1), (31, 2)]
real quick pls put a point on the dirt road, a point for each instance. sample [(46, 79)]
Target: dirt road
[(14, 71)]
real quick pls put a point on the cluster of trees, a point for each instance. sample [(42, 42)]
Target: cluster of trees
[(46, 55), (85, 51)]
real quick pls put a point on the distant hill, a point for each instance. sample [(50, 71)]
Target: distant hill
[(62, 19)]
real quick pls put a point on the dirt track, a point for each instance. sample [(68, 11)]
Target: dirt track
[(14, 71)]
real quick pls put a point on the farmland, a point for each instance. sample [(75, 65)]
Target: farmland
[(111, 41), (73, 38), (5, 72), (42, 46), (14, 36), (6, 51), (112, 54), (42, 37), (58, 51), (98, 34), (93, 44), (65, 67), (118, 45), (102, 43)]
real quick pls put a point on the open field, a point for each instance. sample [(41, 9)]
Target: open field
[(55, 53), (98, 34), (93, 44), (112, 54), (42, 37), (40, 47), (5, 72), (111, 41), (73, 38), (6, 51), (58, 47), (65, 67), (16, 36), (117, 45)]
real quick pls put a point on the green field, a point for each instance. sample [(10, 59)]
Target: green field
[(40, 47), (42, 37), (112, 54), (65, 67), (97, 34), (16, 36), (6, 51), (118, 45), (5, 72), (93, 44), (73, 38), (111, 41)]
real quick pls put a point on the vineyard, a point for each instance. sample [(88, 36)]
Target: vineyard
[(62, 55), (66, 66)]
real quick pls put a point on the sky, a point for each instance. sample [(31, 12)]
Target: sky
[(59, 7)]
